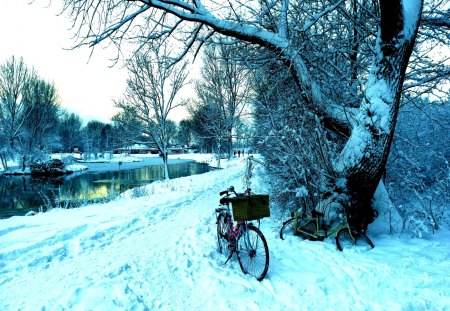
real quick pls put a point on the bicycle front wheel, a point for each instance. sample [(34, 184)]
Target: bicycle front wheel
[(298, 228), (253, 252), (223, 226), (351, 239)]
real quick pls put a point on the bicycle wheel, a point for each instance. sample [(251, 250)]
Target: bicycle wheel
[(222, 229), (287, 228), (363, 242), (358, 241), (253, 252), (290, 227)]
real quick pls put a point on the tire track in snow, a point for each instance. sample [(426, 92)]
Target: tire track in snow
[(165, 226)]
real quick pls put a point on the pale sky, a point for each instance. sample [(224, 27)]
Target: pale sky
[(85, 86)]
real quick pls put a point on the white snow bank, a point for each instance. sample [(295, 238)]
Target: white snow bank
[(158, 252), (209, 159), (114, 159), (76, 167), (127, 158)]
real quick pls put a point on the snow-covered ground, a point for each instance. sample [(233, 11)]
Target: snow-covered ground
[(158, 252)]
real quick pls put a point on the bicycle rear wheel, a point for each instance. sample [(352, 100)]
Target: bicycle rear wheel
[(253, 252), (223, 226), (287, 228), (351, 239)]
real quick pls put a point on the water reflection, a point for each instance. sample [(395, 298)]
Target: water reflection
[(20, 194)]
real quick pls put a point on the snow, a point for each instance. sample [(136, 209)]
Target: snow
[(76, 167), (378, 94), (115, 159), (158, 252), (354, 149), (411, 10)]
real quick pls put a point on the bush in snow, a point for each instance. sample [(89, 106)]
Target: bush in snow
[(418, 171), (296, 149), (53, 167)]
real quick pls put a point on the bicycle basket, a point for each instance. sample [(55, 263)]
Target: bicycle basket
[(250, 207)]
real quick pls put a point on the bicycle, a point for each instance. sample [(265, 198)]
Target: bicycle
[(236, 235), (312, 226)]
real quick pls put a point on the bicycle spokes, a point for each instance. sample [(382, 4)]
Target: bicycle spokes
[(251, 242), (253, 252)]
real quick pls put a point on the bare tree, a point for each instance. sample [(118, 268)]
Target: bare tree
[(224, 88), (128, 129), (40, 129), (13, 78), (210, 123), (70, 131), (185, 133), (429, 69), (367, 129), (29, 112), (150, 96), (172, 130)]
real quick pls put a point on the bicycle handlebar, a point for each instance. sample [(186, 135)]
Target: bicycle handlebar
[(231, 189)]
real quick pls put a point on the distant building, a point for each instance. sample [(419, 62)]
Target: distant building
[(145, 149), (136, 149)]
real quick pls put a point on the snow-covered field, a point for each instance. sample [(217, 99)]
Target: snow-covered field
[(158, 252)]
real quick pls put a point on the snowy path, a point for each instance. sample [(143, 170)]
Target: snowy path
[(158, 252)]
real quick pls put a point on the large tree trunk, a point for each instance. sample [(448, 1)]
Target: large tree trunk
[(363, 159)]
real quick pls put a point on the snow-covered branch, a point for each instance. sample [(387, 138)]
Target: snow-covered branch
[(316, 17)]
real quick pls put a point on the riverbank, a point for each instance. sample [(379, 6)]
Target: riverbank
[(142, 160), (21, 194), (120, 162)]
